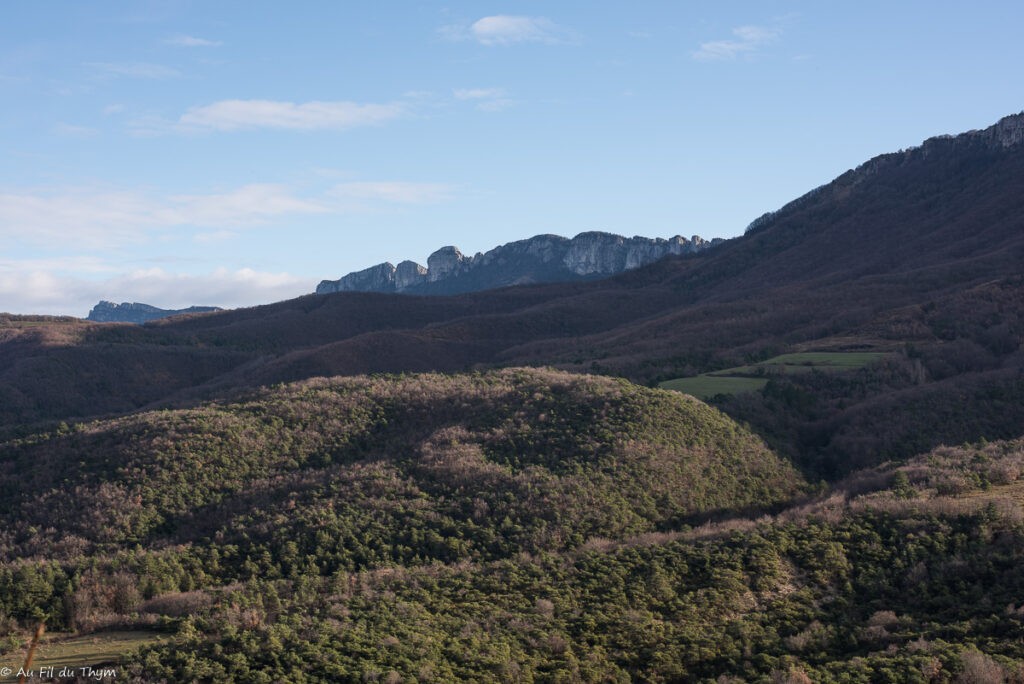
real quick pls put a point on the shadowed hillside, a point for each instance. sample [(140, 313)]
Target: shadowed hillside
[(559, 457), (915, 254), (506, 526)]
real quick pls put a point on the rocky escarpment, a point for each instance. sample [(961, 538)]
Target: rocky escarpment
[(543, 258), (134, 312)]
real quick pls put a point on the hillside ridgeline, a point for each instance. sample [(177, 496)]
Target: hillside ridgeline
[(914, 255), (125, 312), (493, 463)]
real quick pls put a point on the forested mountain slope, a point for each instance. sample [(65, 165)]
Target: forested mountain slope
[(507, 526), (924, 227), (914, 254)]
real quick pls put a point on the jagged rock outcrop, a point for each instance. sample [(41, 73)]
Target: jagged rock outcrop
[(543, 258), (134, 312), (445, 263), (1006, 132), (600, 253), (409, 273), (379, 278)]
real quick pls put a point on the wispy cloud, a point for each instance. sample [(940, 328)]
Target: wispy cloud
[(214, 237), (55, 288), (478, 93), (104, 221), (66, 264), (192, 41), (145, 70), (747, 40), (393, 192), (221, 287), (486, 99), (506, 29), (237, 115), (103, 218), (73, 131), (248, 205)]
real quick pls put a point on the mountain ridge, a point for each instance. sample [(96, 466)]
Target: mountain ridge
[(919, 259), (136, 312), (539, 259), (1005, 133)]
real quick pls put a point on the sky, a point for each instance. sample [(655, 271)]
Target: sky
[(185, 153)]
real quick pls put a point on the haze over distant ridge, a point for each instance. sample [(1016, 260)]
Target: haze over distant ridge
[(135, 312)]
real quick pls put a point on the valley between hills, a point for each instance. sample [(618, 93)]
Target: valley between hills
[(495, 485)]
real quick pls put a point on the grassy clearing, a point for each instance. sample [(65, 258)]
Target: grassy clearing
[(754, 377), (60, 650), (1013, 491), (829, 359), (705, 386)]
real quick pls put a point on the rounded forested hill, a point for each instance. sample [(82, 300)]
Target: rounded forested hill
[(347, 473)]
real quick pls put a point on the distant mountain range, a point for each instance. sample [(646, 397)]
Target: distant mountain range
[(134, 312), (540, 259)]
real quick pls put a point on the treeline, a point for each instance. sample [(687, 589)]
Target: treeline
[(956, 375)]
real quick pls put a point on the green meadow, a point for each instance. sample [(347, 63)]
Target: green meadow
[(754, 377)]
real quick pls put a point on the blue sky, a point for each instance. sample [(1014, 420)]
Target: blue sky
[(236, 153)]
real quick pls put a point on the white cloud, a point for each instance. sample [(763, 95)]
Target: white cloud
[(234, 115), (748, 39), (102, 218), (494, 105), (418, 95), (46, 223), (487, 99), (249, 204), (221, 287), (105, 218), (192, 41), (393, 192), (506, 29), (90, 218), (478, 93), (35, 287), (79, 264), (214, 237), (134, 70)]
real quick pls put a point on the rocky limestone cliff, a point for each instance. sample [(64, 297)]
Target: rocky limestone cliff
[(600, 253), (1006, 132), (409, 273), (446, 262), (134, 312), (543, 258)]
